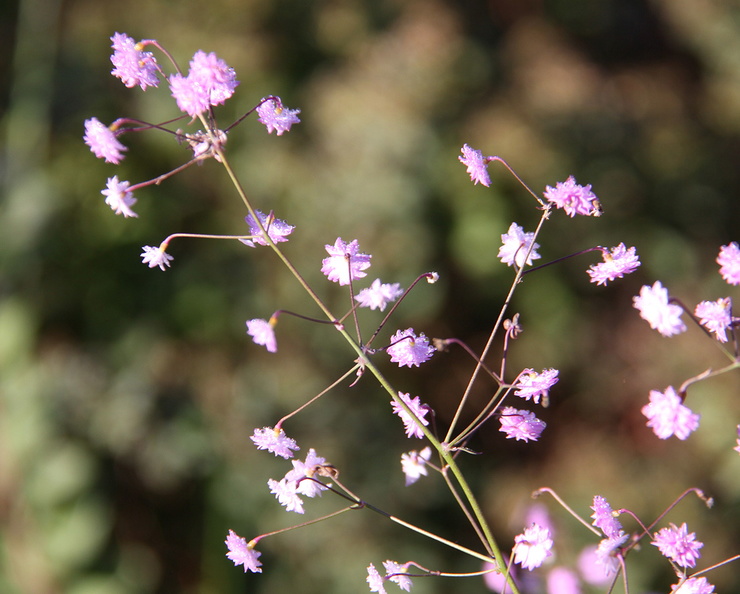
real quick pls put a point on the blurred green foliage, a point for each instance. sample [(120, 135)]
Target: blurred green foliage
[(127, 395)]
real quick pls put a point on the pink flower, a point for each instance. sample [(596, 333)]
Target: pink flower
[(214, 76), (668, 416), (263, 332), (277, 229), (242, 553), (411, 423), (535, 385), (516, 247), (476, 164), (131, 65), (737, 447), (103, 142), (693, 585), (379, 295), (654, 308), (345, 262), (408, 349), (729, 261), (715, 316), (275, 441), (276, 117), (532, 547), (414, 464), (617, 262), (604, 518), (608, 553), (155, 256), (286, 494), (118, 197), (210, 81), (189, 96), (375, 580), (573, 198), (521, 425), (396, 573), (297, 482), (304, 469), (678, 545)]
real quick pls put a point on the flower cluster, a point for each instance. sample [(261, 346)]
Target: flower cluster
[(209, 83)]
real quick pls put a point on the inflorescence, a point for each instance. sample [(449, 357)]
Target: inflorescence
[(209, 83)]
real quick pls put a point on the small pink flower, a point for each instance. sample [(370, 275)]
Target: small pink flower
[(297, 482), (693, 585), (345, 262), (410, 423), (715, 316), (214, 76), (306, 468), (286, 494), (263, 332), (275, 117), (118, 197), (476, 164), (375, 580), (668, 416), (521, 425), (155, 256), (608, 553), (532, 547), (379, 295), (655, 309), (242, 553), (103, 142), (274, 441), (210, 81), (618, 261), (535, 385), (729, 261), (678, 545), (516, 247), (277, 229), (396, 573), (573, 198), (604, 517), (132, 65), (414, 464), (190, 98), (408, 349)]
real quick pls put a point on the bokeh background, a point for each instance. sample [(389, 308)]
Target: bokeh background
[(127, 395)]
